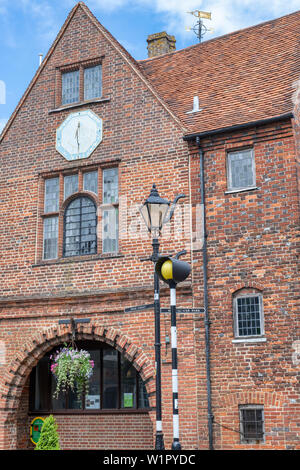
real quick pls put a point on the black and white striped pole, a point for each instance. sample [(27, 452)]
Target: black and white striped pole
[(176, 444), (172, 271)]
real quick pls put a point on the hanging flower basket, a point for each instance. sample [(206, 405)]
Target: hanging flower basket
[(72, 368)]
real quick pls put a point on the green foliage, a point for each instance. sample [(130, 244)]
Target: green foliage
[(72, 367), (49, 439)]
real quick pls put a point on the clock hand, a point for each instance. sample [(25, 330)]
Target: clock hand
[(77, 135)]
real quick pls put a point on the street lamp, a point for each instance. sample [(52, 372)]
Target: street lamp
[(156, 212)]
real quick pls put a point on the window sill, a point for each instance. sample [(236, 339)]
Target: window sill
[(261, 339), (78, 105), (78, 259), (241, 190)]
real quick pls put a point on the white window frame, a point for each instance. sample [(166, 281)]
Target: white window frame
[(235, 317), (230, 187), (251, 407)]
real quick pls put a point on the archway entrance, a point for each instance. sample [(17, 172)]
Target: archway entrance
[(116, 413)]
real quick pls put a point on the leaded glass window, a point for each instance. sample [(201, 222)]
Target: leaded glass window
[(92, 82), (241, 170), (80, 227), (110, 186), (90, 181), (115, 384), (110, 211), (110, 230), (51, 199), (248, 315), (252, 423), (70, 87), (50, 237), (70, 185)]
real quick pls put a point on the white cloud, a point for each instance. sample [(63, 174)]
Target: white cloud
[(3, 121), (227, 15)]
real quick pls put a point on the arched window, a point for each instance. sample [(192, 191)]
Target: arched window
[(115, 384), (80, 227)]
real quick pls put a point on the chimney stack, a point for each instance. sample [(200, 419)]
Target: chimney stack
[(160, 43)]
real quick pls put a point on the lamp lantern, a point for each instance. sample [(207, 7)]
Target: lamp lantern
[(154, 211)]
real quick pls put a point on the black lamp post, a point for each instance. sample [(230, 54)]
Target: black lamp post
[(156, 212)]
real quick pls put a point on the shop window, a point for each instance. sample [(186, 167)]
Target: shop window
[(241, 170), (114, 385), (252, 423)]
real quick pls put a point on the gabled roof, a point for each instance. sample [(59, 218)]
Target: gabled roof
[(125, 54), (241, 77)]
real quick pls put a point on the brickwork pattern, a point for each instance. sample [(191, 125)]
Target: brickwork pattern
[(252, 244)]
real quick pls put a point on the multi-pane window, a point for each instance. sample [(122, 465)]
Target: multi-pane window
[(248, 315), (70, 87), (110, 211), (252, 423), (70, 185), (90, 181), (50, 229), (115, 384), (74, 91), (241, 170), (74, 220), (51, 200), (92, 82), (50, 237), (80, 227)]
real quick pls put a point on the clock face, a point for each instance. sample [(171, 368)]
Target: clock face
[(79, 135)]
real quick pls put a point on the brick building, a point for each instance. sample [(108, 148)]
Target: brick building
[(93, 131)]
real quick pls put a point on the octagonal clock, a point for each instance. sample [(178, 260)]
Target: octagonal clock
[(79, 135)]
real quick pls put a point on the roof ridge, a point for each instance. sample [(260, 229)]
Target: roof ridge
[(199, 45)]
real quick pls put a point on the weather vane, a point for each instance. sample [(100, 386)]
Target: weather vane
[(200, 29)]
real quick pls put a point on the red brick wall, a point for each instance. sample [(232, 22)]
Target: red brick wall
[(251, 244), (99, 431), (251, 241)]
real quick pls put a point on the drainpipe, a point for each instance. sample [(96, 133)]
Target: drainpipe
[(205, 303)]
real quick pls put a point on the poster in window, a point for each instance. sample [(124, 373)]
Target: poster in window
[(128, 400), (92, 402)]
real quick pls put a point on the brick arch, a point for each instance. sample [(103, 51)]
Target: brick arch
[(253, 397), (35, 348), (246, 285), (230, 292)]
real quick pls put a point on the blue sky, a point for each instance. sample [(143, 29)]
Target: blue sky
[(28, 27)]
